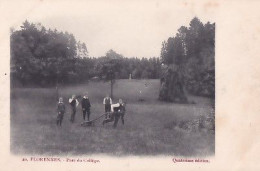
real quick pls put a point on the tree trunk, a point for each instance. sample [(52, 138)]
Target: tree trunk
[(111, 93), (57, 92)]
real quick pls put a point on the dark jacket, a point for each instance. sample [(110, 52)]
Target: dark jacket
[(73, 103), (85, 103), (61, 108)]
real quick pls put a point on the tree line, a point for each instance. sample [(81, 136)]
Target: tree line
[(41, 57)]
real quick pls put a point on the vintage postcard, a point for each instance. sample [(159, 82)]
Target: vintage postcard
[(132, 85)]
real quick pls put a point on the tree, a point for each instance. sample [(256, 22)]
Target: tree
[(188, 61), (109, 67), (43, 57), (172, 56), (82, 51)]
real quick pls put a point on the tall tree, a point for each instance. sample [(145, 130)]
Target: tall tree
[(109, 68), (188, 60), (42, 57)]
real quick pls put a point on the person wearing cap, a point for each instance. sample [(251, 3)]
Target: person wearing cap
[(117, 111), (107, 102), (73, 103), (61, 110), (85, 103)]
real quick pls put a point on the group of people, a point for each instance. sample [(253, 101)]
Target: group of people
[(113, 112)]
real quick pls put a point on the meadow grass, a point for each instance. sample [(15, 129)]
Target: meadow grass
[(147, 129)]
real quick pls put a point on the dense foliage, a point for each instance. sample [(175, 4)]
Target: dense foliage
[(41, 57), (188, 61)]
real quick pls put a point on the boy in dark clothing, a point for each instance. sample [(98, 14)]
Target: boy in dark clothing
[(117, 111), (61, 111), (74, 103), (85, 103), (107, 102)]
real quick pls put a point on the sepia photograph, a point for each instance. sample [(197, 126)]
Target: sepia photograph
[(129, 85), (116, 80)]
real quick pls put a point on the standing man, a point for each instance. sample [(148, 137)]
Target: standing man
[(73, 103), (107, 102), (85, 103)]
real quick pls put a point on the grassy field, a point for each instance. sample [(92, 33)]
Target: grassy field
[(151, 127)]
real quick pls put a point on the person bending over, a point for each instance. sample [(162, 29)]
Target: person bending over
[(117, 112)]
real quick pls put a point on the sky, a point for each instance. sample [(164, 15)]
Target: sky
[(131, 28)]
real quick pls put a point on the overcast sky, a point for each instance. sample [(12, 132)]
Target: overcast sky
[(131, 28)]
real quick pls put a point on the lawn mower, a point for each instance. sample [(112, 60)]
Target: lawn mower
[(91, 123)]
